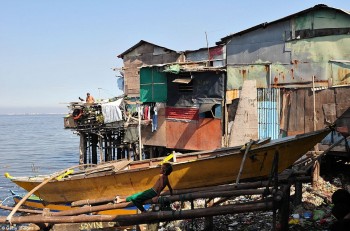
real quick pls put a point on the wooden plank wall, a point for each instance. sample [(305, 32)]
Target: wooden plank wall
[(297, 114)]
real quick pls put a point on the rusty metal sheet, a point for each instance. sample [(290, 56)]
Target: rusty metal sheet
[(231, 95), (261, 45), (321, 49), (236, 75), (294, 60), (340, 73), (299, 74), (204, 134), (295, 75)]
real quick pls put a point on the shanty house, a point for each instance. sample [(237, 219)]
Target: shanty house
[(301, 68), (142, 53), (188, 96)]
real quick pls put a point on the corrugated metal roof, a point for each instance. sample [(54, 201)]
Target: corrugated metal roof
[(139, 44), (266, 24), (190, 66)]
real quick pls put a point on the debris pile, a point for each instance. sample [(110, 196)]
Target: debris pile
[(314, 213)]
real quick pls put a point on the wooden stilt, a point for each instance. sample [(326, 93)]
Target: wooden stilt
[(94, 141), (298, 193), (100, 145), (316, 173), (284, 208), (82, 149)]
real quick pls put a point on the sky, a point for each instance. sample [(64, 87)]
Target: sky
[(52, 52)]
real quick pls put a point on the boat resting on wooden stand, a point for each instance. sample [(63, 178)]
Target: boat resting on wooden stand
[(198, 169)]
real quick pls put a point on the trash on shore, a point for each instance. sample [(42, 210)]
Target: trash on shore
[(314, 213)]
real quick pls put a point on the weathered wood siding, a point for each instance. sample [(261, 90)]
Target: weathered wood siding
[(145, 54), (297, 114)]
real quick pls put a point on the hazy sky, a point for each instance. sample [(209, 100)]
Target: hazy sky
[(52, 52)]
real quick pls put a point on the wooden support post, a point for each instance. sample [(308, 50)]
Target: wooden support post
[(129, 154), (100, 145), (284, 208), (315, 174), (298, 193), (82, 149), (151, 152), (94, 141), (119, 153), (106, 147)]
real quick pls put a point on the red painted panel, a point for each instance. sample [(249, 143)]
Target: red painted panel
[(182, 113), (204, 134)]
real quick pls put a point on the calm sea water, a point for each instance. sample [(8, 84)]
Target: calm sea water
[(33, 145)]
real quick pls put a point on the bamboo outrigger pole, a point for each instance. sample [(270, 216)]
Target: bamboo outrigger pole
[(21, 210), (149, 217), (240, 186), (19, 204), (185, 197)]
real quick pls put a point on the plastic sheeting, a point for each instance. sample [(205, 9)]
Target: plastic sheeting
[(111, 111)]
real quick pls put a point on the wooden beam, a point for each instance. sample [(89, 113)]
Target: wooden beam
[(144, 218)]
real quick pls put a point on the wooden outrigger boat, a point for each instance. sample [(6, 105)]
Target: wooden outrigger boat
[(36, 203), (199, 169)]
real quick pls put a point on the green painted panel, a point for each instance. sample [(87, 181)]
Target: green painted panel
[(153, 85), (304, 21), (145, 93), (237, 74), (330, 19), (321, 49), (145, 75), (320, 19)]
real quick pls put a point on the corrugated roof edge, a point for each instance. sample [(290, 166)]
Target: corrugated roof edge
[(265, 24), (139, 44)]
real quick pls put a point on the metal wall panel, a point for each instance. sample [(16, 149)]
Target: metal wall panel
[(157, 138), (236, 75), (215, 53), (296, 50), (202, 134), (340, 73), (268, 113), (258, 46)]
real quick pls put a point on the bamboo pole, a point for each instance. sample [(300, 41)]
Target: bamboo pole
[(139, 130), (185, 197), (149, 217), (251, 142), (19, 204), (4, 207), (92, 201), (240, 186)]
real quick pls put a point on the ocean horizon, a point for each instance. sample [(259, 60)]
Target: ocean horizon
[(34, 144)]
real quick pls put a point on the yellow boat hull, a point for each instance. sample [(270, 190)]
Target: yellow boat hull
[(189, 171)]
